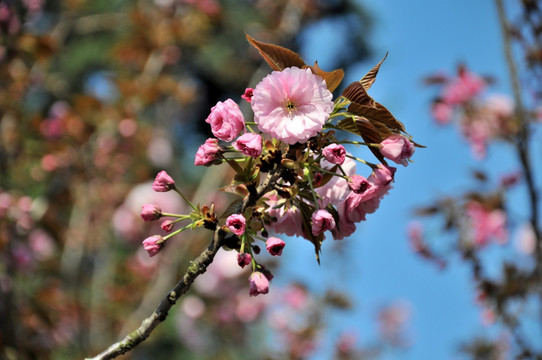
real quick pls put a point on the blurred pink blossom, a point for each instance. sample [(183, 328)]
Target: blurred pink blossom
[(486, 223)]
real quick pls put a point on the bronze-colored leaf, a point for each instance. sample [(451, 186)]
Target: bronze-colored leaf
[(369, 78), (333, 78), (356, 93), (276, 56), (377, 113)]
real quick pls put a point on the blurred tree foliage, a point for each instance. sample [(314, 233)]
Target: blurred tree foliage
[(95, 97)]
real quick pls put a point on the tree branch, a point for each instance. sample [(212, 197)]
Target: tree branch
[(196, 268)]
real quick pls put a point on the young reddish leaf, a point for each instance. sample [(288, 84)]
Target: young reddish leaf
[(276, 56), (356, 93), (369, 78), (333, 78), (378, 113)]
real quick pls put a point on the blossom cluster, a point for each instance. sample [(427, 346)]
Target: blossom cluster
[(481, 118), (294, 174)]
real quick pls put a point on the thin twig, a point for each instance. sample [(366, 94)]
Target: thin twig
[(196, 268)]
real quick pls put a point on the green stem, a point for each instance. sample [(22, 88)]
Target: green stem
[(186, 199), (315, 199), (176, 232)]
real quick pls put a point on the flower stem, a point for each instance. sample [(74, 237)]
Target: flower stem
[(186, 199)]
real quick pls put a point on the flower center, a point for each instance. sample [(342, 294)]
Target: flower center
[(290, 106)]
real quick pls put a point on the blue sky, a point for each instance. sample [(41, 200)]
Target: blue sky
[(422, 37)]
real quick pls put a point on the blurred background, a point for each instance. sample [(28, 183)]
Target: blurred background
[(98, 96)]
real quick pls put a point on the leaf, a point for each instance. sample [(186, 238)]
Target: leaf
[(369, 78), (333, 78), (276, 56), (306, 213), (378, 113), (356, 93)]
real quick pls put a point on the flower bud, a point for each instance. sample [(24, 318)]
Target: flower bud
[(208, 153), (274, 246), (153, 244), (334, 153), (358, 184), (258, 284), (167, 225), (163, 182), (236, 223), (322, 220), (151, 212), (397, 148), (244, 259)]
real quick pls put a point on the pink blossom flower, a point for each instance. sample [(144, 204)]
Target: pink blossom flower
[(442, 112), (397, 148), (358, 184), (244, 259), (288, 217), (208, 153), (258, 284), (249, 144), (167, 225), (291, 105), (226, 120), (274, 246), (463, 88), (383, 175), (336, 190), (236, 223), (153, 244), (163, 182), (486, 223), (322, 220), (151, 212), (334, 153), (248, 94)]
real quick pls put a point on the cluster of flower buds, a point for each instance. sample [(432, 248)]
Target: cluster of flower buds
[(294, 175)]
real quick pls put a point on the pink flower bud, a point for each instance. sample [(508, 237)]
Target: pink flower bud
[(236, 223), (167, 225), (274, 246), (208, 153), (226, 120), (334, 153), (384, 175), (248, 94), (249, 144), (358, 184), (397, 148), (318, 177), (153, 244), (322, 220), (258, 284), (163, 182), (244, 259), (151, 212)]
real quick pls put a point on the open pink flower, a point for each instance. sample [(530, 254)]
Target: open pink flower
[(291, 105), (397, 148), (236, 223), (249, 144), (274, 246), (334, 153), (153, 244), (258, 284), (208, 153), (163, 182), (226, 120)]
